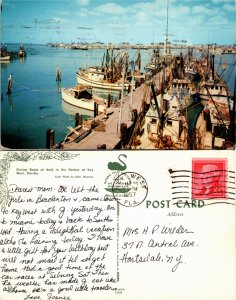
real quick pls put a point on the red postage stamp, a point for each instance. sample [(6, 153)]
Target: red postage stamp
[(209, 178)]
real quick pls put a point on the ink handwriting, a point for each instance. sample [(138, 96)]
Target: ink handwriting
[(56, 241)]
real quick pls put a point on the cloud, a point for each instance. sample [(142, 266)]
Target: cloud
[(84, 2), (198, 20), (218, 20), (63, 13), (142, 17), (156, 8), (222, 1), (179, 11), (229, 7), (84, 12), (203, 9), (111, 8), (147, 6)]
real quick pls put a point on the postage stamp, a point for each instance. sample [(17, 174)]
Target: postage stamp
[(130, 189), (209, 178)]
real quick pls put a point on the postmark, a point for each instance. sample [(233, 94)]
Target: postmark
[(130, 189), (209, 178), (109, 180)]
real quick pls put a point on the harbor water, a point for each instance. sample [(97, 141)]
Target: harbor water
[(35, 104)]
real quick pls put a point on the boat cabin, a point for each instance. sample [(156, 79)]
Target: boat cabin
[(96, 74), (217, 90), (85, 93)]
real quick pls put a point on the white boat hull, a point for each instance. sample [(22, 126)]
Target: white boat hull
[(87, 104), (5, 58), (101, 84), (216, 92)]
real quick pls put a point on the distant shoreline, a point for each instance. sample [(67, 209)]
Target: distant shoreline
[(218, 49)]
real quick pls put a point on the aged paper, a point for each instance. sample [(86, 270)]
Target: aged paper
[(117, 225)]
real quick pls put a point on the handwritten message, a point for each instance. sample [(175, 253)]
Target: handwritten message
[(58, 241)]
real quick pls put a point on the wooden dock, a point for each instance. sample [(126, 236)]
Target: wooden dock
[(107, 131)]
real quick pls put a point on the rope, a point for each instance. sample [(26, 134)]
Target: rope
[(138, 121), (134, 55), (33, 90), (230, 71), (220, 63), (194, 105)]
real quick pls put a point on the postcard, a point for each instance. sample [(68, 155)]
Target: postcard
[(117, 158), (117, 225)]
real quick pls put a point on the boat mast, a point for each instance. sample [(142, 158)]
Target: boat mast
[(167, 24), (112, 63), (132, 88), (122, 92), (213, 66), (138, 61), (107, 61)]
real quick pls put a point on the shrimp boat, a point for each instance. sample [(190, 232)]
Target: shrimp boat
[(165, 118), (108, 76), (182, 83), (185, 91), (82, 97), (22, 52), (5, 55), (5, 58), (154, 65), (214, 123), (214, 90), (97, 78), (167, 126)]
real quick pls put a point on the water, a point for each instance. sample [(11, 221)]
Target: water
[(35, 104), (229, 74)]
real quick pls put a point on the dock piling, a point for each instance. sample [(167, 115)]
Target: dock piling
[(95, 110), (9, 84), (129, 88), (109, 100), (123, 133), (78, 119), (50, 138), (58, 77)]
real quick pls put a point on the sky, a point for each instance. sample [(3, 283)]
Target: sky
[(117, 21)]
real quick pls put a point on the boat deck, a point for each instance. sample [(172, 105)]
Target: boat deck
[(107, 131)]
